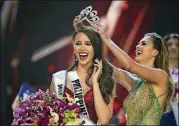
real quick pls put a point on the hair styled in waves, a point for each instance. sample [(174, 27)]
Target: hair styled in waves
[(106, 81)]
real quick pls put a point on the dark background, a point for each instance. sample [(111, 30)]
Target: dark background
[(40, 23)]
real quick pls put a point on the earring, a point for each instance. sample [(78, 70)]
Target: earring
[(75, 58)]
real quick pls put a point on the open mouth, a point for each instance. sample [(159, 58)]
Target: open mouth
[(83, 56), (138, 53)]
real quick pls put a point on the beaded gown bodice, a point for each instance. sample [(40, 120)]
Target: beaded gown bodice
[(142, 106)]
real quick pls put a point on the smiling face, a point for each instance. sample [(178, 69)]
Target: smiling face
[(145, 51), (83, 49)]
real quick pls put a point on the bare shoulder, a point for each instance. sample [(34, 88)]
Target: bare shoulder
[(162, 75)]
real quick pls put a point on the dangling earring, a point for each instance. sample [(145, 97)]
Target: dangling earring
[(75, 58)]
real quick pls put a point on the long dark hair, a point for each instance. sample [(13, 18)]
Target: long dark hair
[(106, 81), (162, 62)]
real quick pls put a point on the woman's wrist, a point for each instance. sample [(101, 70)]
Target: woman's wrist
[(95, 85), (107, 40)]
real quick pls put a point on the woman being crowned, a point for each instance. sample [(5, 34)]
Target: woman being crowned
[(89, 80)]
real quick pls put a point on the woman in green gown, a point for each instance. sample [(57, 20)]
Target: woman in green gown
[(147, 78)]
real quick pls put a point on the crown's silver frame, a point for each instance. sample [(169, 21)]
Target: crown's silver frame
[(87, 11)]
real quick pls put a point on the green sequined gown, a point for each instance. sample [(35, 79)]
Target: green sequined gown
[(142, 106)]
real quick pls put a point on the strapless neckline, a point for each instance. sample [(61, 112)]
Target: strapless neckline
[(71, 92)]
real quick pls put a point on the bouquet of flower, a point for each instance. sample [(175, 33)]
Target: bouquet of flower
[(45, 108)]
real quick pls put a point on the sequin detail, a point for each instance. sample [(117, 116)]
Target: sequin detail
[(142, 106)]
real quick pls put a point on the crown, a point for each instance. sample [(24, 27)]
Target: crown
[(89, 15)]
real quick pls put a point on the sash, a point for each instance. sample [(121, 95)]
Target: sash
[(78, 93), (59, 80)]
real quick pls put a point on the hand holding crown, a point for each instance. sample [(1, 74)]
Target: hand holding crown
[(101, 30), (77, 23), (90, 16)]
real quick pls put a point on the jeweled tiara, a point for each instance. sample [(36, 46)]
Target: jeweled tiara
[(89, 15)]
